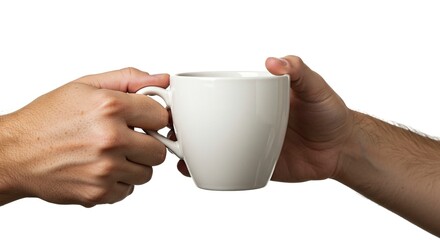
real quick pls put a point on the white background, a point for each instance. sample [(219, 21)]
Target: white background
[(382, 57)]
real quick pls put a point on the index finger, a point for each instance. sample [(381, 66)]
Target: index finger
[(125, 80)]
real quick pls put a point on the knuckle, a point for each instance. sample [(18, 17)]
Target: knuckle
[(143, 176), (95, 196), (109, 104), (158, 115), (130, 73), (148, 174), (109, 138), (295, 60), (88, 205), (297, 68), (157, 153), (162, 155), (163, 118), (105, 169)]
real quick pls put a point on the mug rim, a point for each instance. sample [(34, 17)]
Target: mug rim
[(230, 75)]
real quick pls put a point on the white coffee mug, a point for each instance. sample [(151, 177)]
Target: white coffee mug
[(230, 126)]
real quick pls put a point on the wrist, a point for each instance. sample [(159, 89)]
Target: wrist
[(356, 165), (9, 190), (5, 142)]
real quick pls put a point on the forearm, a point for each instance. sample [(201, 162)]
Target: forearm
[(396, 168)]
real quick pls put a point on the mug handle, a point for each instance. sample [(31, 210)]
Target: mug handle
[(173, 146)]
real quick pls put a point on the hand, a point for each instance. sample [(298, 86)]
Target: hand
[(319, 125), (76, 144)]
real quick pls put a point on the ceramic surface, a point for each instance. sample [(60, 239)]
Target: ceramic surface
[(230, 126)]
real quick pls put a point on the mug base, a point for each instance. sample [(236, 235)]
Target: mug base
[(230, 188)]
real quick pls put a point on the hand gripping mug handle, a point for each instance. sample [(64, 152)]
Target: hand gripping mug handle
[(173, 146)]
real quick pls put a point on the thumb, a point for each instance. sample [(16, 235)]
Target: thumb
[(125, 80), (308, 85)]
